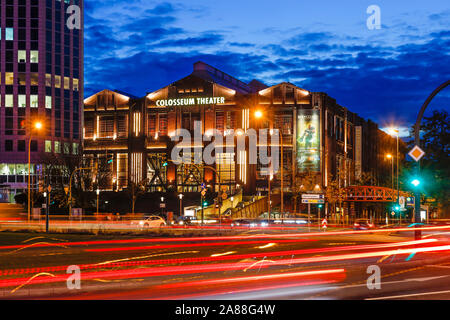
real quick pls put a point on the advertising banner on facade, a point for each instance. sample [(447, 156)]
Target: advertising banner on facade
[(308, 140)]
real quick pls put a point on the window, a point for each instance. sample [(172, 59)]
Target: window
[(48, 146), (48, 80), (57, 81), (9, 34), (75, 148), (34, 56), (66, 148), (75, 84), (57, 147), (66, 83), (8, 145), (34, 79), (48, 102), (22, 101), (9, 78), (22, 56), (9, 100), (34, 101)]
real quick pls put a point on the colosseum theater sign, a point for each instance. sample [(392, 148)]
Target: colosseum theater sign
[(190, 101)]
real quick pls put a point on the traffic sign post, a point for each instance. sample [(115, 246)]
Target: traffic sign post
[(416, 153)]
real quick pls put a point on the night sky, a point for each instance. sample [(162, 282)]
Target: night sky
[(139, 46)]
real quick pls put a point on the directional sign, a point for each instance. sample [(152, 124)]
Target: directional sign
[(313, 201), (417, 153), (203, 192), (324, 223), (313, 196)]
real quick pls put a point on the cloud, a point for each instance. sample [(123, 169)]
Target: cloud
[(384, 75)]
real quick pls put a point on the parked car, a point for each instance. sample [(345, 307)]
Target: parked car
[(150, 222), (363, 224)]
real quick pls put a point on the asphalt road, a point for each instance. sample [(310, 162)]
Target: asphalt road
[(251, 265)]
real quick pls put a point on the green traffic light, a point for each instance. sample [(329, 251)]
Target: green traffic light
[(165, 164)]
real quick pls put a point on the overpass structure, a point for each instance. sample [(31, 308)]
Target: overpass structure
[(372, 194)]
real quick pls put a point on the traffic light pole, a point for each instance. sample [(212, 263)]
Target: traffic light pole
[(417, 217)]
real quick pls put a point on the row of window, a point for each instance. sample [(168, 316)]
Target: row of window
[(22, 101), (56, 146), (22, 56), (21, 79)]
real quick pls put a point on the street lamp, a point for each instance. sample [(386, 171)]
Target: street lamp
[(391, 157), (37, 126), (258, 114)]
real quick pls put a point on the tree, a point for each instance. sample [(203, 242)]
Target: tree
[(303, 182), (435, 166), (134, 191)]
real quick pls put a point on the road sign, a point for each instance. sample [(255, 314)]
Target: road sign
[(224, 196), (313, 196), (402, 202), (410, 201), (162, 205), (203, 186), (49, 188), (324, 223), (203, 192), (313, 201), (417, 153)]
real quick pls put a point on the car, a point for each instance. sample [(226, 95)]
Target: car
[(243, 223), (363, 224), (150, 222)]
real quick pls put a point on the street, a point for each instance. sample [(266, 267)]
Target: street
[(252, 265)]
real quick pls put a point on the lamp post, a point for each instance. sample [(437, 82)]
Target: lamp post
[(98, 195), (395, 132), (37, 126), (181, 203)]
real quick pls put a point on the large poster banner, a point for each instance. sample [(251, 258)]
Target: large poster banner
[(308, 140)]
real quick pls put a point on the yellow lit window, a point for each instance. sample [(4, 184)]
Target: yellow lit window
[(58, 82), (75, 85), (9, 78), (66, 83), (48, 80)]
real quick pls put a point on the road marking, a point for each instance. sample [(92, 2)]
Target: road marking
[(392, 282), (410, 295)]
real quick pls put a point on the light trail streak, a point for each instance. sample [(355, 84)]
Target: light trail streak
[(222, 258), (192, 269), (274, 276), (190, 245), (246, 237)]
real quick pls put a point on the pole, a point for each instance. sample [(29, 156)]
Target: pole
[(268, 199), (47, 212), (309, 216), (29, 177), (202, 211), (398, 183), (282, 179)]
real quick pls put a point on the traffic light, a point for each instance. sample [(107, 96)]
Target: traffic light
[(111, 160), (205, 204), (415, 182), (320, 206), (396, 208), (165, 164)]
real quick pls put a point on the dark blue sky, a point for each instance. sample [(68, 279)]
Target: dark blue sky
[(139, 46)]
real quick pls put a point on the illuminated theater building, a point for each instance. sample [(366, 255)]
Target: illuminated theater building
[(320, 137)]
